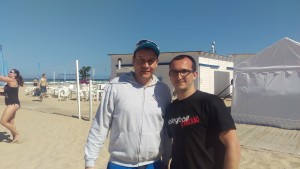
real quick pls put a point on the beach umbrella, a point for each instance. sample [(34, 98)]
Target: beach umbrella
[(65, 76), (1, 64), (5, 68), (39, 69), (1, 61)]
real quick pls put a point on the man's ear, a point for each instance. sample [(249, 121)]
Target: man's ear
[(195, 75), (133, 59)]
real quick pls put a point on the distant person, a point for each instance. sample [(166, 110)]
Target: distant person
[(132, 109), (203, 131), (12, 102), (43, 86), (37, 92), (35, 82)]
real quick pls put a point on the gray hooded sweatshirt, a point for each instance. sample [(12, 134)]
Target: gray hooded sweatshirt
[(134, 116)]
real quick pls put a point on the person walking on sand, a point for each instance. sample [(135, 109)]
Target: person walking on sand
[(12, 102), (203, 131), (43, 86), (132, 109)]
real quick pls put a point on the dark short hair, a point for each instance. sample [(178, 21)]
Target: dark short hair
[(180, 57)]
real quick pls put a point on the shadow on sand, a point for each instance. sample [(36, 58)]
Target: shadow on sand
[(4, 137)]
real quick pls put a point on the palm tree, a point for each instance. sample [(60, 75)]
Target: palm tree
[(84, 74)]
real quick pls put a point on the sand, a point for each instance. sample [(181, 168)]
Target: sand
[(52, 137)]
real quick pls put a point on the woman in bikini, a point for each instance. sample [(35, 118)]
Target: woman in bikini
[(11, 90)]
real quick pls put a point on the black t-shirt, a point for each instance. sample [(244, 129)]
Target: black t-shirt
[(195, 124)]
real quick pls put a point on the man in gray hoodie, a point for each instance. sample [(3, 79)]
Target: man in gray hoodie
[(132, 110)]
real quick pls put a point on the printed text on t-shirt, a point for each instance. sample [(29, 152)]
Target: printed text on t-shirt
[(184, 121)]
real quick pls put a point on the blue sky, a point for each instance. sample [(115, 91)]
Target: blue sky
[(46, 36)]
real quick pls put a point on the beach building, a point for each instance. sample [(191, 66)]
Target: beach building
[(215, 71)]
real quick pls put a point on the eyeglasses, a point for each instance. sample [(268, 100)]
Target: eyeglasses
[(183, 72), (142, 42), (12, 72)]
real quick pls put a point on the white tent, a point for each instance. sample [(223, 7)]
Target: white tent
[(267, 87)]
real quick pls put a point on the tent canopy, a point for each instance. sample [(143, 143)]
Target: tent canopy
[(267, 87)]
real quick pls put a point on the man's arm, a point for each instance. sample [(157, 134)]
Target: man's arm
[(99, 130), (233, 150), (167, 145), (167, 141)]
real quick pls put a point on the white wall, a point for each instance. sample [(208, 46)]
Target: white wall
[(215, 74), (207, 80)]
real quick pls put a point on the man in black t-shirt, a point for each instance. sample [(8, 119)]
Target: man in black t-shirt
[(203, 131)]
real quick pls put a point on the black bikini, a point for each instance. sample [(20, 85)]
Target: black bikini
[(11, 95)]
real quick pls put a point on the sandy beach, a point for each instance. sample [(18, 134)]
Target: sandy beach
[(52, 137)]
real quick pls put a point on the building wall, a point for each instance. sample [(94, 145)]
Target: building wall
[(215, 72)]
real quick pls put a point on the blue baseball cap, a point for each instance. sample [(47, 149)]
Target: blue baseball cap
[(147, 44)]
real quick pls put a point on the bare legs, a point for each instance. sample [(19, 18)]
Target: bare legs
[(7, 120), (43, 92)]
